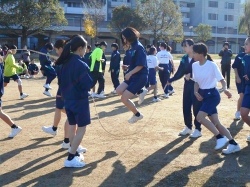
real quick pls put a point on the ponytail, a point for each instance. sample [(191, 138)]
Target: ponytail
[(65, 54)]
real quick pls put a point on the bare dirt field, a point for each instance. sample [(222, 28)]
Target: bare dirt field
[(148, 153)]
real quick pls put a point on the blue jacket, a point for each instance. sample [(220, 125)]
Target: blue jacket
[(75, 80), (115, 61), (238, 64), (1, 80), (44, 59), (185, 67), (246, 64)]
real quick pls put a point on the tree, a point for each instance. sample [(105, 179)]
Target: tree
[(244, 24), (89, 27), (163, 19), (124, 16), (94, 11), (203, 32), (31, 17)]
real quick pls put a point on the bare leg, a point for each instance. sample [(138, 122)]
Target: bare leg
[(57, 117), (72, 132), (67, 129), (5, 118), (77, 138), (244, 114), (239, 101)]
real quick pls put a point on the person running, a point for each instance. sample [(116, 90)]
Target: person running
[(14, 128), (114, 68), (239, 81), (206, 74), (96, 69), (60, 107), (137, 75), (75, 81), (10, 71), (189, 99), (164, 58), (47, 68), (152, 63), (245, 106)]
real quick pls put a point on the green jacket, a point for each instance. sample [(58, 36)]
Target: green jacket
[(96, 57), (10, 67)]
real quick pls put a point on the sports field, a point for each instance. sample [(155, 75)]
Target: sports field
[(147, 153)]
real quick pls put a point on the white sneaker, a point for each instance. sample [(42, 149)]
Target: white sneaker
[(156, 100), (47, 93), (248, 139), (47, 86), (221, 143), (80, 157), (134, 119), (80, 149), (49, 130), (93, 94), (24, 96), (27, 76), (195, 134), (166, 95), (231, 149), (15, 131), (185, 131), (237, 115), (170, 92), (100, 95), (142, 95), (65, 145), (74, 163), (113, 92)]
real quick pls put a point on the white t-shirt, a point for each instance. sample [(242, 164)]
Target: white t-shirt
[(206, 75), (152, 61), (164, 56)]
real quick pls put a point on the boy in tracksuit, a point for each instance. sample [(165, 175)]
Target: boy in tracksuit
[(115, 66)]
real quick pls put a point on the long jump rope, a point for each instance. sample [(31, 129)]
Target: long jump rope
[(139, 130)]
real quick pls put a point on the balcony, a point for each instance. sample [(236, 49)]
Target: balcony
[(116, 4)]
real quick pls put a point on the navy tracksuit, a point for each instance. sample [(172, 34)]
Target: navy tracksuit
[(115, 68), (189, 98)]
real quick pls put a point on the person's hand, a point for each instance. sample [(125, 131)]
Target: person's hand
[(246, 77), (198, 96), (124, 67), (102, 60), (238, 80), (228, 93), (127, 76), (187, 76), (161, 68)]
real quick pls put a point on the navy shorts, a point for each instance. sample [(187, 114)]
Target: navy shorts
[(78, 112), (240, 88), (152, 76), (246, 98), (211, 98), (59, 100), (136, 83), (7, 79)]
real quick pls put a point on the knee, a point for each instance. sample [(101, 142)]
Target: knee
[(199, 118), (19, 82)]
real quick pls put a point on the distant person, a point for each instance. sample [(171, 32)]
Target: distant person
[(87, 55), (23, 73), (226, 55), (33, 69), (26, 57)]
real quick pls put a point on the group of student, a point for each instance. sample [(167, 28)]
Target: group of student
[(76, 78)]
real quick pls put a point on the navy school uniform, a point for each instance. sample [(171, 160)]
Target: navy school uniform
[(127, 59), (46, 66), (238, 64), (115, 68), (32, 68), (1, 83), (87, 59), (189, 98), (74, 82), (138, 58), (246, 97)]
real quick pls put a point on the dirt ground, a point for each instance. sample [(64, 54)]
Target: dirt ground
[(148, 153)]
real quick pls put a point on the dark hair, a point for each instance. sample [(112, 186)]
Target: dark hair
[(59, 44), (97, 44), (89, 47), (115, 45), (188, 41), (163, 44), (131, 35), (201, 48), (71, 46), (226, 43), (152, 50), (13, 47), (148, 46), (5, 48), (103, 43), (169, 48), (49, 46)]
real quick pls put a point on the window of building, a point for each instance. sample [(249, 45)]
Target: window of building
[(212, 16), (117, 0), (228, 17), (74, 4), (213, 4), (229, 5)]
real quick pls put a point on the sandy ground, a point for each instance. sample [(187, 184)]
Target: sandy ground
[(148, 153)]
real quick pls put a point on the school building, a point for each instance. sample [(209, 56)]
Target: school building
[(222, 15)]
